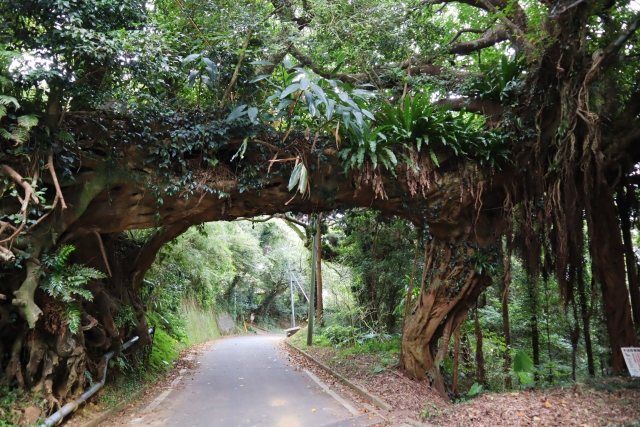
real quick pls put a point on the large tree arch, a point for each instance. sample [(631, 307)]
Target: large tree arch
[(458, 204)]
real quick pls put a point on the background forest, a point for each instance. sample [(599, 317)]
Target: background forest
[(524, 337)]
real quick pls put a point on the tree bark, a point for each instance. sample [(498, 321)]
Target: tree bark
[(574, 335), (608, 260), (532, 285), (622, 200), (456, 360), (504, 306), (454, 286), (481, 372)]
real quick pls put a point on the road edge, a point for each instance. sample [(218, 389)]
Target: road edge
[(359, 390)]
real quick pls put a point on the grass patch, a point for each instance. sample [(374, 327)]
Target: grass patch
[(374, 346), (13, 401), (165, 351), (299, 340), (200, 324), (124, 388)]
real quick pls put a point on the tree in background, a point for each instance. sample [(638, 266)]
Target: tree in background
[(379, 252)]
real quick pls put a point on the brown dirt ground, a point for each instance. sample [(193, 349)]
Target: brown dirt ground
[(617, 403)]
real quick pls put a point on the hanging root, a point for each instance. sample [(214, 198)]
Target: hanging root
[(56, 184), (103, 252)]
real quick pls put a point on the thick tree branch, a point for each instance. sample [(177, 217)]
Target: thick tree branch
[(412, 66), (475, 3), (490, 38), (308, 62), (490, 109), (609, 54), (465, 31)]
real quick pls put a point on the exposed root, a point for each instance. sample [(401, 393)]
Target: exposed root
[(25, 294)]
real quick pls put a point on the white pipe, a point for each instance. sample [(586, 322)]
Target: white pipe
[(70, 407)]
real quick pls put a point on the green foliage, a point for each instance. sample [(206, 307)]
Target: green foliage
[(200, 324), (500, 79), (416, 123), (13, 400), (73, 315), (125, 317), (164, 352), (65, 281), (13, 127), (523, 368), (475, 390), (430, 410), (375, 343), (379, 251), (340, 335)]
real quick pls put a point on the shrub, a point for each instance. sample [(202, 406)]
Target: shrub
[(341, 335)]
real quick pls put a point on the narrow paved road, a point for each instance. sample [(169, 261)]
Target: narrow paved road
[(244, 381)]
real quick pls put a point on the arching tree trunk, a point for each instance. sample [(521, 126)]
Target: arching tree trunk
[(454, 279)]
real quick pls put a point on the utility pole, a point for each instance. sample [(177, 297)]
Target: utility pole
[(312, 291), (293, 309)]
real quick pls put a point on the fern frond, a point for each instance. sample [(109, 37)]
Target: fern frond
[(27, 121), (7, 100), (73, 316)]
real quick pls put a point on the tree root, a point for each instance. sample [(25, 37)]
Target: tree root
[(25, 294)]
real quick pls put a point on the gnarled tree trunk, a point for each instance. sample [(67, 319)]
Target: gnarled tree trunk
[(455, 278)]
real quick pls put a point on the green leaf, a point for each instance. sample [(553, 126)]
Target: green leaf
[(253, 114), (190, 58), (319, 92), (259, 77), (434, 158), (65, 137), (475, 390), (302, 184), (304, 83), (236, 113), (289, 90), (392, 156), (295, 176), (330, 107)]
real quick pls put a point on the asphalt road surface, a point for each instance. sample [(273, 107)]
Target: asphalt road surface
[(244, 381)]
